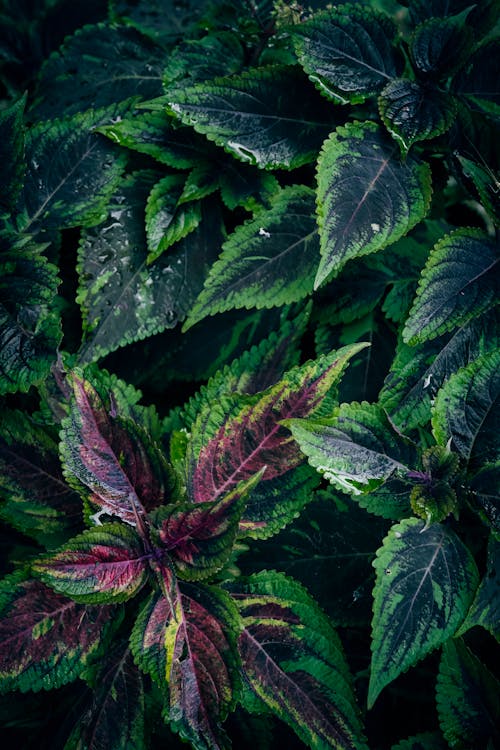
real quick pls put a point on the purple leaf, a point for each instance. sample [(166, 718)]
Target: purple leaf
[(113, 457), (190, 642), (46, 639), (104, 564), (252, 436)]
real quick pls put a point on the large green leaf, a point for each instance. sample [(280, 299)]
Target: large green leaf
[(367, 198), (29, 324), (413, 112), (347, 53), (468, 699), (71, 171), (293, 660), (249, 116), (122, 298), (459, 281), (357, 450), (12, 153), (270, 260), (114, 63), (426, 579), (467, 410)]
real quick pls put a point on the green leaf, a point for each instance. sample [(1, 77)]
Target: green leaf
[(294, 662), (439, 47), (270, 260), (426, 579), (122, 298), (458, 283), (485, 495), (347, 52), (468, 699), (149, 17), (466, 410), (413, 112), (367, 199), (217, 54), (167, 222), (485, 609), (29, 325), (424, 741), (113, 63), (357, 450), (478, 83), (12, 153), (71, 172), (252, 120), (421, 10), (485, 183)]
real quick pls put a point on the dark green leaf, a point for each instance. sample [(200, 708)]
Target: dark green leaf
[(71, 173), (466, 410), (478, 83), (439, 47), (424, 741), (270, 260), (485, 609), (367, 199), (421, 10), (347, 53), (217, 54), (96, 67), (414, 112), (485, 184), (12, 153), (249, 116), (149, 17), (29, 323), (426, 579), (468, 699), (485, 494), (167, 222), (459, 282)]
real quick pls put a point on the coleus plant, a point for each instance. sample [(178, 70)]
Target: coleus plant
[(223, 204)]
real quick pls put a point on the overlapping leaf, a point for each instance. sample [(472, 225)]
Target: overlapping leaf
[(36, 499), (47, 639), (348, 52), (294, 662), (124, 470), (467, 409), (270, 260), (426, 579), (166, 220), (114, 63), (189, 644), (366, 198), (71, 171), (248, 115), (12, 153), (103, 565)]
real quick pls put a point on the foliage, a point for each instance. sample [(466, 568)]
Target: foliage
[(249, 374)]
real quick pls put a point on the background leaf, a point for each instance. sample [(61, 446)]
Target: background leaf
[(12, 137)]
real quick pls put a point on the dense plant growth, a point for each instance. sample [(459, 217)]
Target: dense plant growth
[(249, 374)]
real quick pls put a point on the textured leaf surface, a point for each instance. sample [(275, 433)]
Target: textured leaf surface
[(439, 46), (459, 281), (426, 579), (71, 171), (250, 118), (29, 325), (367, 199), (270, 260), (115, 719), (357, 450), (47, 639), (36, 499), (122, 298), (293, 660), (251, 436), (12, 153), (167, 221), (102, 565), (192, 648), (468, 699), (347, 52), (412, 112), (467, 410), (114, 63), (122, 467)]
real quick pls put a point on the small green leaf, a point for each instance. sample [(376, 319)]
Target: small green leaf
[(347, 52), (367, 199), (12, 153), (270, 260), (166, 221), (467, 410), (468, 699), (249, 116), (426, 579), (413, 112), (459, 282)]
